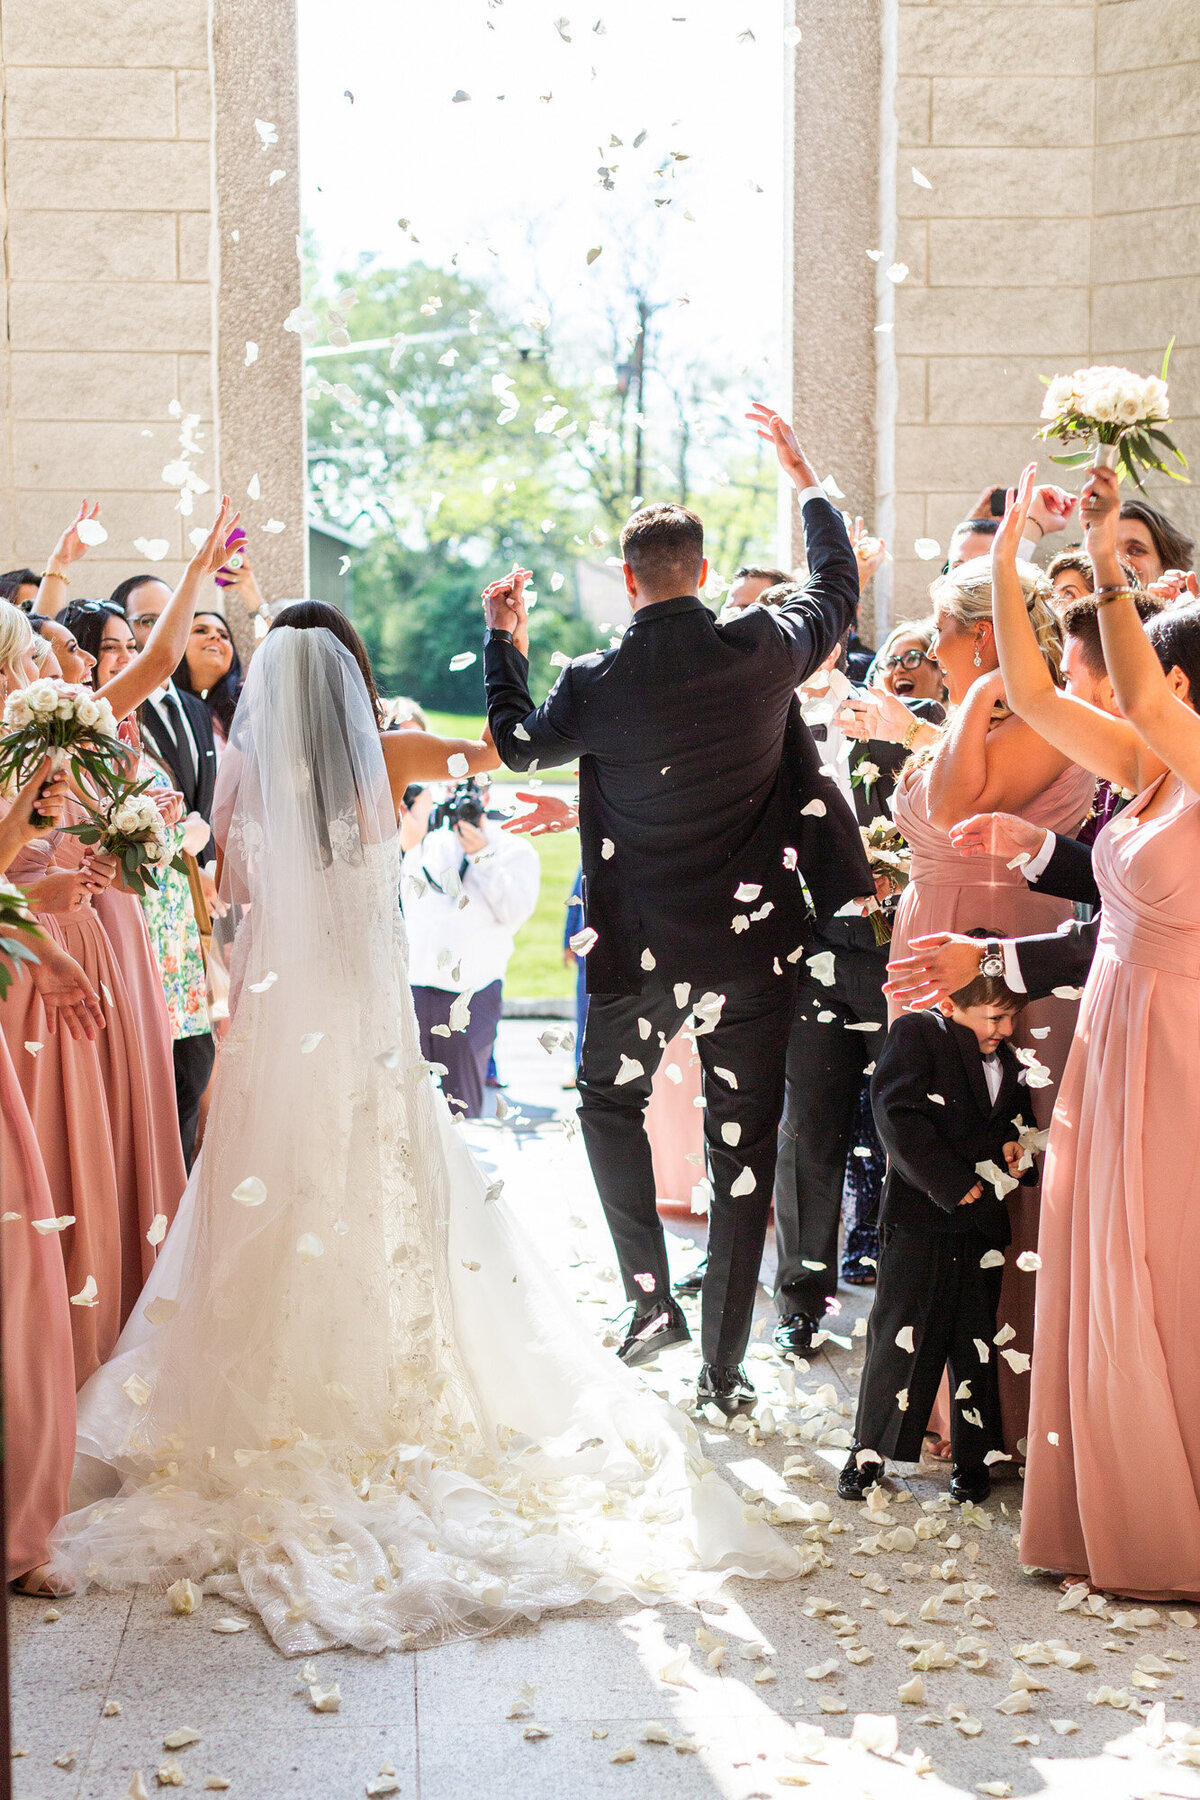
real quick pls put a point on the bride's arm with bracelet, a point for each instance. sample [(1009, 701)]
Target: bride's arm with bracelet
[(1108, 746), (1155, 706)]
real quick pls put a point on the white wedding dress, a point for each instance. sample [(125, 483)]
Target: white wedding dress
[(351, 1397)]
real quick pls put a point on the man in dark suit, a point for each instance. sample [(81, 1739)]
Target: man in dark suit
[(706, 827), (840, 1018), (948, 1107), (178, 730)]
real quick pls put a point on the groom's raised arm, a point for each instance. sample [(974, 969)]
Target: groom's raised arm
[(526, 735), (827, 605)]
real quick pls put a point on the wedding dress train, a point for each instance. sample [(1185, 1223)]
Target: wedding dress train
[(351, 1396)]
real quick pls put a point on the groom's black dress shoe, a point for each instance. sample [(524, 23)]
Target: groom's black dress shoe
[(658, 1328), (693, 1282), (854, 1482), (970, 1483), (794, 1334), (727, 1389)]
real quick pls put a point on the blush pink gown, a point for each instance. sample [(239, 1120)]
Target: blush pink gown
[(39, 1374), (1116, 1372), (143, 1132), (951, 892)]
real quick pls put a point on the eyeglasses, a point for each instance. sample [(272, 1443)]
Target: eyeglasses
[(147, 621), (911, 659)]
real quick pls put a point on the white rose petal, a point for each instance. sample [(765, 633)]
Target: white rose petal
[(45, 1226), (921, 181), (745, 1184), (268, 980), (251, 1192), (463, 660), (928, 549), (91, 532), (158, 1229), (814, 810), (153, 549), (184, 1596), (904, 1339), (1028, 1261), (457, 764), (731, 1132), (325, 1699), (309, 1247), (629, 1070), (87, 1293), (139, 1392)]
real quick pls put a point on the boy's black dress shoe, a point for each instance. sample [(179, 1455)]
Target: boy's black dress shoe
[(658, 1328), (692, 1283), (968, 1483), (795, 1332), (727, 1389), (854, 1482)]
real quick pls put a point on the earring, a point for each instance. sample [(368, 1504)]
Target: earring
[(978, 658)]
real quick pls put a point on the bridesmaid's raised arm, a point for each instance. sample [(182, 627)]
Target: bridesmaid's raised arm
[(1085, 734), (1160, 705)]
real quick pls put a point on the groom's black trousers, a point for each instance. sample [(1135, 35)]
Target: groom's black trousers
[(750, 1043)]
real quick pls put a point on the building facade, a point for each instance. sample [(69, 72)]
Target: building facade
[(1036, 168)]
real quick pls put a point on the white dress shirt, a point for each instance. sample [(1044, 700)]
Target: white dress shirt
[(993, 1074), (455, 945), (156, 699)]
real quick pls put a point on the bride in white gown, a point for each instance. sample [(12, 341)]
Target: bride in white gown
[(351, 1396)]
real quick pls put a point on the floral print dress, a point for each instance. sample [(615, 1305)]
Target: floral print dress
[(175, 935)]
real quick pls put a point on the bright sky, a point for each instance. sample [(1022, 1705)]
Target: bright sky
[(518, 173)]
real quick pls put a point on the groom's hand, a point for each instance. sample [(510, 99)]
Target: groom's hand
[(504, 602), (777, 431)]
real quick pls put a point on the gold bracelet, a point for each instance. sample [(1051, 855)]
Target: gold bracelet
[(53, 575), (909, 740), (1106, 595)]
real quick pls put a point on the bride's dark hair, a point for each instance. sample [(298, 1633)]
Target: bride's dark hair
[(315, 615)]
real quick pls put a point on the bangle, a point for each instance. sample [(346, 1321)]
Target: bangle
[(909, 740), (53, 575), (1041, 529), (1106, 595)]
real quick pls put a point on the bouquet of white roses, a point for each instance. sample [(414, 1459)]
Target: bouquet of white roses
[(1122, 412), (129, 826), (890, 860), (68, 723), (14, 916)]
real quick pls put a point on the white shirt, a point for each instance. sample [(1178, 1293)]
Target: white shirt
[(993, 1074), (156, 700), (455, 946)]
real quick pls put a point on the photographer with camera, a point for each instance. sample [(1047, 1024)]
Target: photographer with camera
[(467, 887)]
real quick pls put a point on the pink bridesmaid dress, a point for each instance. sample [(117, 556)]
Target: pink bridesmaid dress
[(1112, 1488), (675, 1125), (39, 1374), (951, 892), (143, 1132)]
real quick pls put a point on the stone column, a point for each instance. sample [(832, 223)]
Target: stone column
[(260, 391), (833, 218)]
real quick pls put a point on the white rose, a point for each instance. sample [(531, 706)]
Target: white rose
[(125, 819), (106, 723), (1155, 401), (42, 699), (147, 813), (1130, 406), (18, 712), (87, 713), (1060, 397), (1100, 403), (65, 710)]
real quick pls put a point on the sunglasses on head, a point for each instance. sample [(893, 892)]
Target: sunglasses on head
[(910, 659)]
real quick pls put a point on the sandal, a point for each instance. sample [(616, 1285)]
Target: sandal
[(41, 1584)]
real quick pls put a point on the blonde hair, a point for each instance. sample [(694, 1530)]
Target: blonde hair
[(42, 649), (924, 630), (16, 635), (966, 594)]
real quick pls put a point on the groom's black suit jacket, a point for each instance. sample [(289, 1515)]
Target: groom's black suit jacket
[(695, 767)]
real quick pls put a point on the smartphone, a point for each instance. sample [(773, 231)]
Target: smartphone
[(998, 500), (233, 560)]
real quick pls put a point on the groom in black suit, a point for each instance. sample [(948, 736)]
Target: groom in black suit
[(709, 836)]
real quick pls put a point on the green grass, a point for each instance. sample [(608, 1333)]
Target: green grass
[(537, 971)]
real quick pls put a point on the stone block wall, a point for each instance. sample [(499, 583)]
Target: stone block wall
[(123, 194), (1061, 227)]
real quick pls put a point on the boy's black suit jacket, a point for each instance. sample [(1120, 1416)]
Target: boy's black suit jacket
[(934, 1145), (695, 770)]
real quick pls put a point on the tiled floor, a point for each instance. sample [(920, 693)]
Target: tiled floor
[(436, 1722)]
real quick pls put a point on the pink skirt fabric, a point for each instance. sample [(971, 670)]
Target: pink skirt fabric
[(675, 1125), (39, 1374), (1112, 1488)]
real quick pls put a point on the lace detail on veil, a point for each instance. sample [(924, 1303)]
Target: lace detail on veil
[(350, 1396)]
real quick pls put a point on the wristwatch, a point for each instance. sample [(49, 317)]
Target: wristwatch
[(992, 961), (497, 634)]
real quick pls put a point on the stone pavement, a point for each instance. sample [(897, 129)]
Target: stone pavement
[(752, 1694)]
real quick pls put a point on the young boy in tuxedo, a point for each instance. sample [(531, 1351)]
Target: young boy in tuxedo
[(946, 1099)]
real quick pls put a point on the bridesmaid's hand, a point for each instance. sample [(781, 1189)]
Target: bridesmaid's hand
[(66, 993)]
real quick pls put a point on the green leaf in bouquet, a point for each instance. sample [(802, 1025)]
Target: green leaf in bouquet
[(178, 864), (131, 859), (1166, 359), (1072, 459)]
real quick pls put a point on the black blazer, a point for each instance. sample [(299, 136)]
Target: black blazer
[(933, 1147), (197, 788), (1068, 874), (695, 767), (1057, 959)]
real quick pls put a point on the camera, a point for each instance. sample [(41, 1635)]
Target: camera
[(464, 806)]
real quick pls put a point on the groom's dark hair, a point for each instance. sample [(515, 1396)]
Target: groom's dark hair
[(664, 546)]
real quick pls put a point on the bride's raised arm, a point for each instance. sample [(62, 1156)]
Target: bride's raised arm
[(423, 756)]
